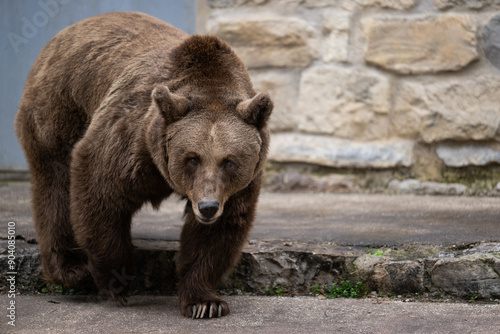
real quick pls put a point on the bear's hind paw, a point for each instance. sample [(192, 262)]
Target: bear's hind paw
[(121, 298), (68, 276)]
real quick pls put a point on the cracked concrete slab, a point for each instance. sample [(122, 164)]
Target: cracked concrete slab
[(342, 219)]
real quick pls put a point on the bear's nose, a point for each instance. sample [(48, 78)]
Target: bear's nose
[(208, 209)]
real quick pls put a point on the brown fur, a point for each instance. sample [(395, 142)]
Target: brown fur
[(122, 109)]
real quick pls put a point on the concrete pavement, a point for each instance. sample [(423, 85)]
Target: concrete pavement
[(408, 245), (265, 315)]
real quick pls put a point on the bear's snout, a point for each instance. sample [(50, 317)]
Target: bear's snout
[(208, 209)]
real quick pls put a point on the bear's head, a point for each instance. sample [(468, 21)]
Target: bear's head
[(208, 152)]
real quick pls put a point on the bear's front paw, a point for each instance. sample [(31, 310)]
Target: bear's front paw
[(206, 309)]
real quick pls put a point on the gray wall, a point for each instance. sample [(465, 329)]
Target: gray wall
[(27, 25)]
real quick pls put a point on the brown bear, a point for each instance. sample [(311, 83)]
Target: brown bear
[(122, 109)]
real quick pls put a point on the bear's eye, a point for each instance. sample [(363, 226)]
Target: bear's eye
[(193, 161), (228, 164)]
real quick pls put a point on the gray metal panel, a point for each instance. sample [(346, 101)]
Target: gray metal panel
[(27, 25)]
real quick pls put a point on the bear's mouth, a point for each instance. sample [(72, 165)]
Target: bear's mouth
[(205, 220)]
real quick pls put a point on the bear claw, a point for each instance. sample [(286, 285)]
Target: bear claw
[(200, 310)]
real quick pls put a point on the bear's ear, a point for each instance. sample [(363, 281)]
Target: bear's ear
[(256, 111), (171, 106)]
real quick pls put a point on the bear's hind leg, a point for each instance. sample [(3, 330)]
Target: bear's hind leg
[(102, 228), (63, 262)]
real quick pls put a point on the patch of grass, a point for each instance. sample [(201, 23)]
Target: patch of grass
[(472, 299), (378, 252), (316, 289), (344, 289), (276, 291), (48, 288)]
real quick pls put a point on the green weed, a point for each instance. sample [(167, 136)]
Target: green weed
[(344, 289), (276, 291), (378, 252), (49, 288)]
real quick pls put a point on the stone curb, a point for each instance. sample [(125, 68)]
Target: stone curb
[(473, 272)]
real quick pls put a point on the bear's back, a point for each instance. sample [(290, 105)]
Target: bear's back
[(79, 65)]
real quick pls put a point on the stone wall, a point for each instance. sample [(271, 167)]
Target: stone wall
[(375, 84)]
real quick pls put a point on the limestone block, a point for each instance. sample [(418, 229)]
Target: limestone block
[(391, 4), (399, 277), (453, 109), (336, 19), (225, 3), (335, 45), (424, 45), (294, 180), (233, 3), (491, 36), (288, 3), (468, 276), (294, 271), (263, 41), (340, 153), (417, 187), (318, 3), (347, 103), (470, 4), (460, 155), (283, 88), (27, 266)]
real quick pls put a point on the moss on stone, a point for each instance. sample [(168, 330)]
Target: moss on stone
[(475, 178)]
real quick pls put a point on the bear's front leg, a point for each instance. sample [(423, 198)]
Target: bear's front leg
[(207, 253)]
